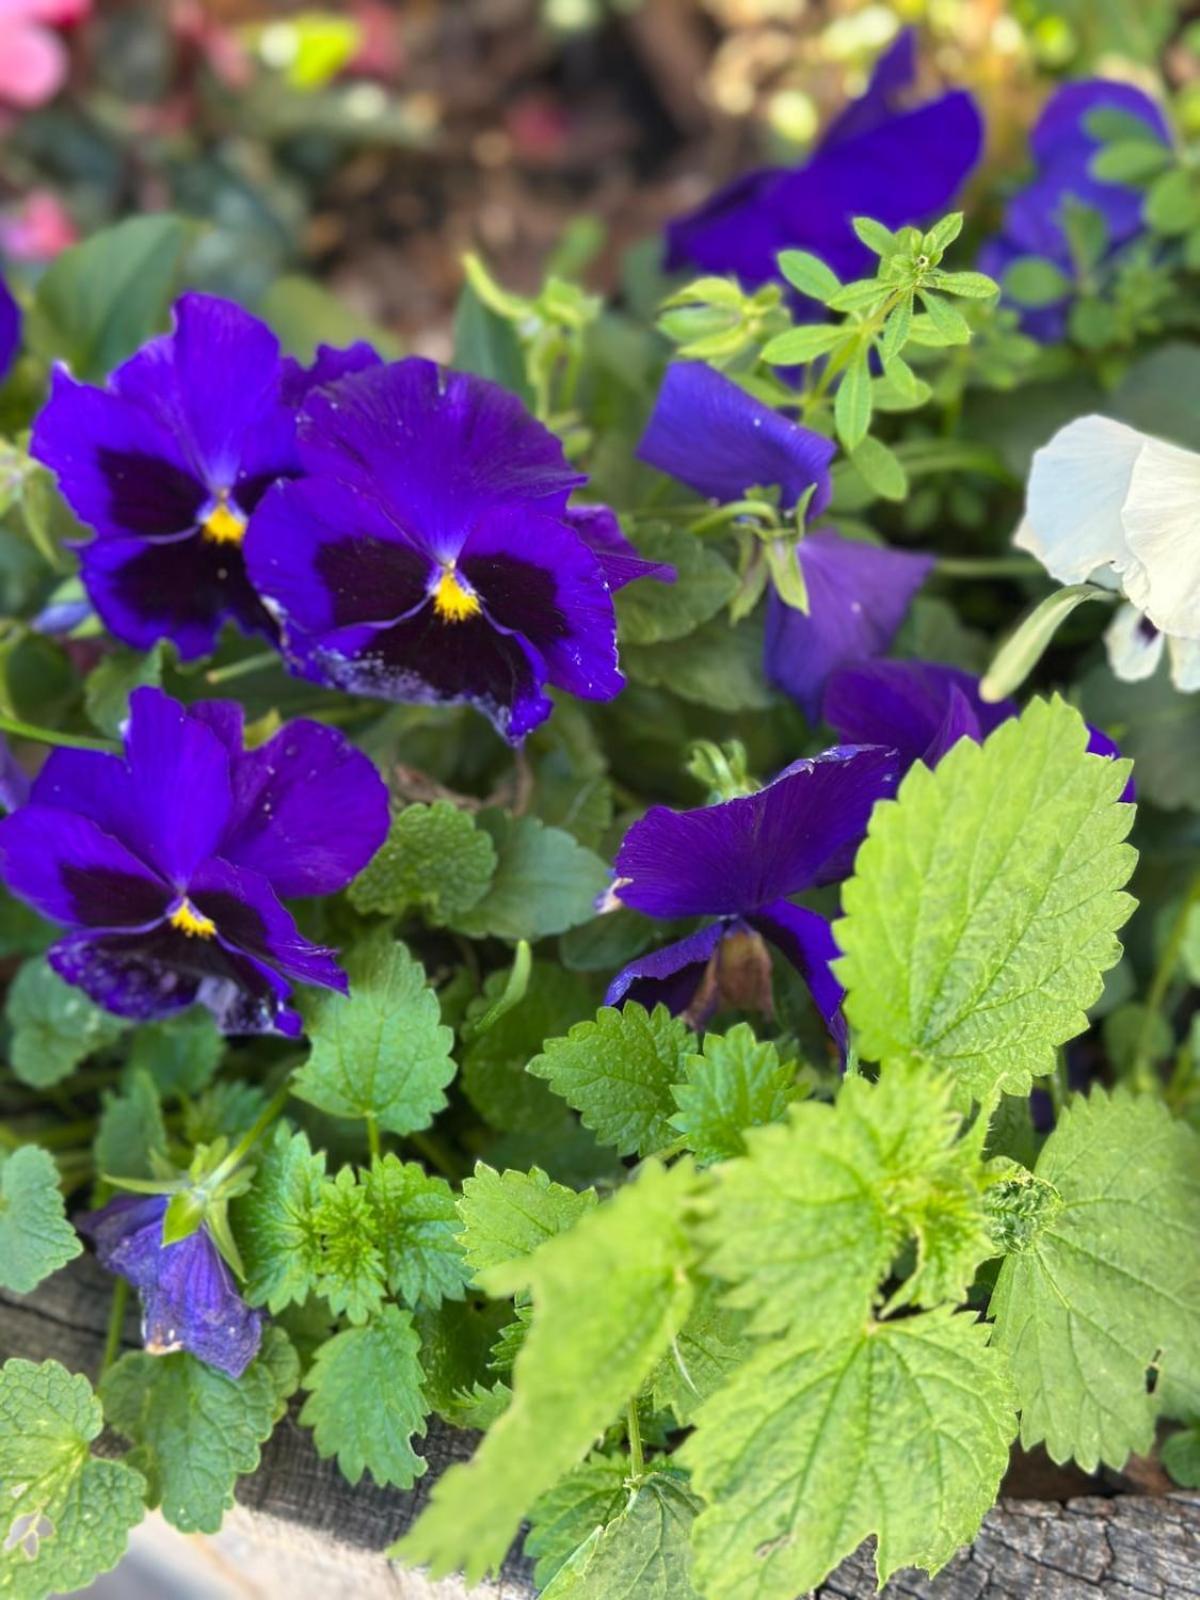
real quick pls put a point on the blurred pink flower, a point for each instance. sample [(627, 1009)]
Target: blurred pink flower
[(33, 60), (38, 229)]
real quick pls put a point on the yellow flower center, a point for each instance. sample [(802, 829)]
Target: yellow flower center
[(223, 525), (452, 600), (194, 923)]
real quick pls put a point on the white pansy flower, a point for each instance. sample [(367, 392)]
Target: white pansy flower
[(1109, 505)]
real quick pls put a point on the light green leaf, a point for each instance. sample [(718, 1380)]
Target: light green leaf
[(969, 285), (1032, 281), (899, 1429), (1181, 1457), (197, 1430), (181, 1055), (434, 859), (109, 685), (274, 1222), (416, 1224), (608, 1298), (506, 1216), (737, 1083), (587, 1498), (949, 323), (66, 1516), (55, 1026), (99, 301), (1107, 1287), (879, 240), (716, 665), (131, 1129), (305, 314), (852, 407), (617, 1073), (808, 1226), (710, 1346), (800, 345), (881, 468), (380, 1051), (35, 1236), (643, 1554), (809, 274), (649, 613), (493, 1063), (985, 903), (366, 1401), (545, 882), (351, 1271)]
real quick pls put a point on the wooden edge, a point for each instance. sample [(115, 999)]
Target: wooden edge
[(300, 1530)]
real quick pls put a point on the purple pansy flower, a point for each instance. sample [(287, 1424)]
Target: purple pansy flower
[(10, 328), (167, 866), (721, 441), (879, 159), (189, 1300), (430, 554), (739, 862), (166, 463), (922, 709), (1063, 149)]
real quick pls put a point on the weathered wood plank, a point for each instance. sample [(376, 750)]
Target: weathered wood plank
[(301, 1533)]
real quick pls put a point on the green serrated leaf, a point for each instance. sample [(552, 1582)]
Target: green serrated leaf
[(649, 613), (808, 1226), (737, 1083), (617, 1072), (545, 882), (985, 903), (900, 1429), (434, 859), (381, 1051), (35, 1236), (1106, 1288), (716, 665), (493, 1063), (710, 1347), (585, 1499), (643, 1554), (608, 1298), (274, 1222), (366, 1401), (197, 1430), (55, 1026), (350, 1275), (416, 1223), (506, 1216), (66, 1516), (131, 1130)]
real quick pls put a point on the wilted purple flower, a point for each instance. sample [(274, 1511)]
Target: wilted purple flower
[(879, 159), (1063, 149), (739, 861), (722, 442), (10, 328), (166, 463), (922, 709), (167, 866), (189, 1300), (430, 556)]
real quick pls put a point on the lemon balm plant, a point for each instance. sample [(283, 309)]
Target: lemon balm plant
[(582, 895)]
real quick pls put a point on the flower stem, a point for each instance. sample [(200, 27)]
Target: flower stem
[(116, 1324), (634, 1429), (731, 512), (986, 566), (242, 668), (253, 1134), (67, 741), (373, 1144), (436, 1153), (1145, 1079)]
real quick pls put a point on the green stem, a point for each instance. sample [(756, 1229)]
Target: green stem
[(373, 1144), (732, 511), (634, 1429), (436, 1153), (987, 566), (116, 1324), (242, 668), (250, 1138), (1145, 1079), (67, 741)]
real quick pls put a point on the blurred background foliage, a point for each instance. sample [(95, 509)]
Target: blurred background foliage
[(369, 145)]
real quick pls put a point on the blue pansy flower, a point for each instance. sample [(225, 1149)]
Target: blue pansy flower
[(880, 158), (189, 1299), (710, 434), (166, 866), (922, 709), (166, 462), (738, 863), (430, 555), (10, 329), (1063, 149)]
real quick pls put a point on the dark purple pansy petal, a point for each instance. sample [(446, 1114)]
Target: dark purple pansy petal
[(536, 578), (721, 441), (619, 561), (729, 859), (141, 976), (1062, 124), (858, 595), (127, 1235), (1099, 744), (10, 329), (327, 366), (179, 780), (250, 921), (669, 976), (736, 231), (441, 449), (806, 939), (284, 795), (915, 706), (70, 871)]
